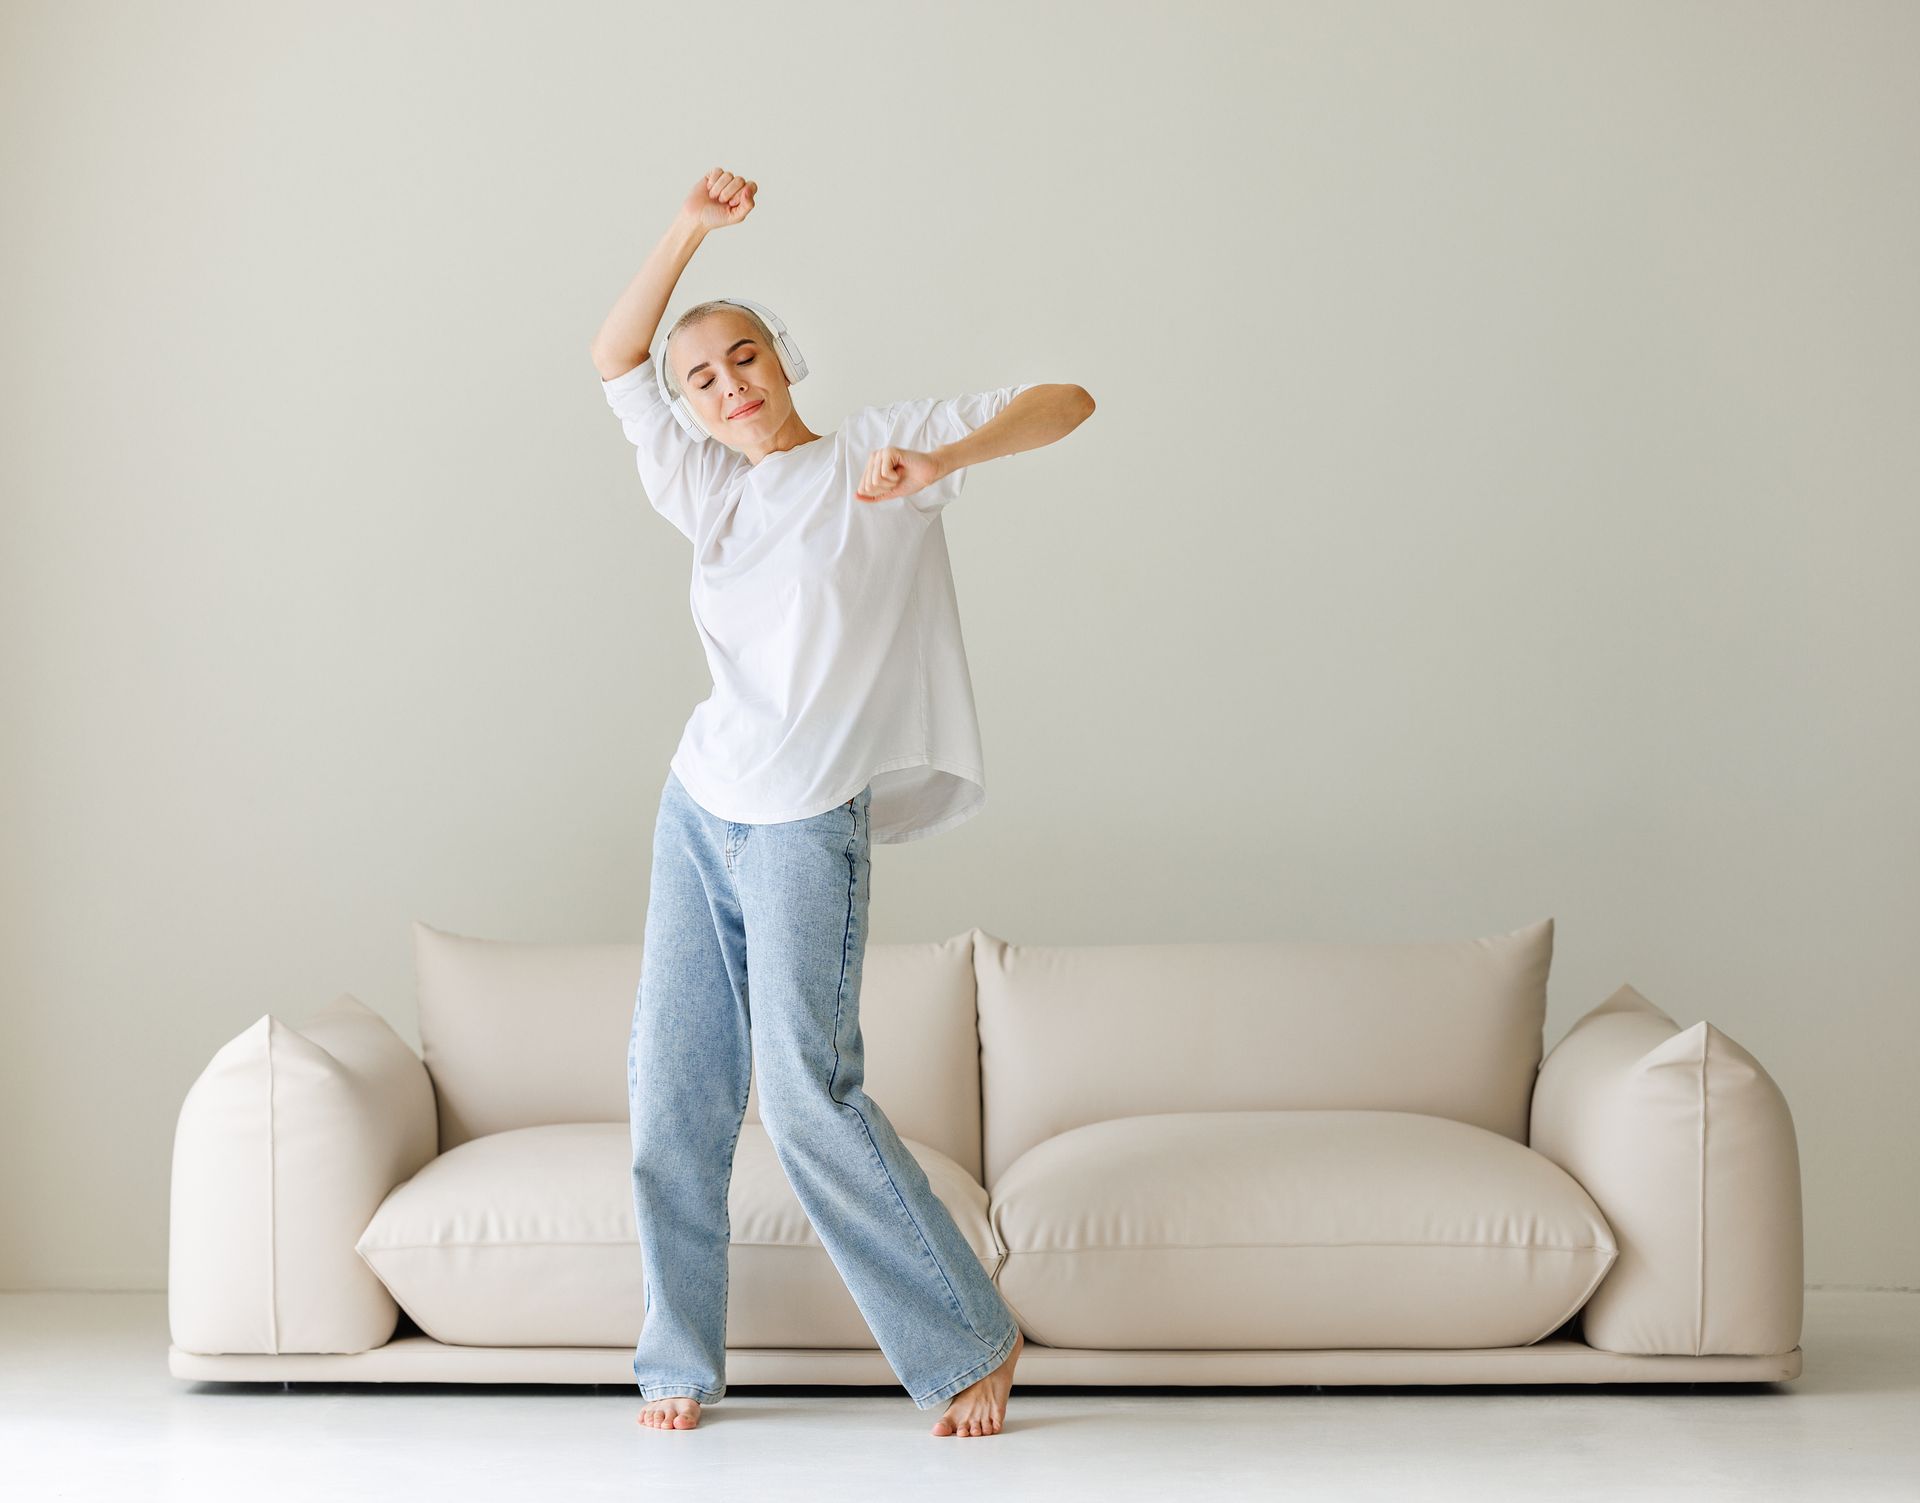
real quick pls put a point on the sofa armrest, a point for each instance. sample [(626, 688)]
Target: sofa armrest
[(1686, 1144), (284, 1149)]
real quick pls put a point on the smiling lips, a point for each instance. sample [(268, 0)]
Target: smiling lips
[(742, 412)]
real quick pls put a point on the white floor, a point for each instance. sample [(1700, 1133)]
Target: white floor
[(88, 1410)]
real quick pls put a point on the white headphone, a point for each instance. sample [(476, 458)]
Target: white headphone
[(791, 361)]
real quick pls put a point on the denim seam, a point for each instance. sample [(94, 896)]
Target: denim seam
[(726, 1242), (846, 941)]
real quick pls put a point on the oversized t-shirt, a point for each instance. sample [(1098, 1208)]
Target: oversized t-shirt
[(830, 625)]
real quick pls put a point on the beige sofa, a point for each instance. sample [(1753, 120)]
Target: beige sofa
[(1230, 1163)]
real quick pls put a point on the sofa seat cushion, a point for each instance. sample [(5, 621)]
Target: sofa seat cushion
[(527, 1238), (1276, 1230)]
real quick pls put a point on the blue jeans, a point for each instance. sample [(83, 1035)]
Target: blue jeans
[(787, 904)]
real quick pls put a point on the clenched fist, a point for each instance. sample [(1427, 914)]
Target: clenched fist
[(894, 472), (720, 198)]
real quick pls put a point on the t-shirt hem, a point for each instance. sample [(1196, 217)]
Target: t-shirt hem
[(901, 837), (694, 784), (974, 775), (965, 770)]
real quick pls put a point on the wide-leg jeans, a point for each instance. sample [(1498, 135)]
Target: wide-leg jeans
[(755, 936)]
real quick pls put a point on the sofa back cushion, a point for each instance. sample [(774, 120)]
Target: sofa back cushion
[(1087, 1033), (521, 1035)]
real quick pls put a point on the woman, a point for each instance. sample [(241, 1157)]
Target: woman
[(841, 714)]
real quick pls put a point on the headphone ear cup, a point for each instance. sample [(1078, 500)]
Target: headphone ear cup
[(685, 417), (791, 360)]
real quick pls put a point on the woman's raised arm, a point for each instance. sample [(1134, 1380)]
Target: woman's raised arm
[(720, 198)]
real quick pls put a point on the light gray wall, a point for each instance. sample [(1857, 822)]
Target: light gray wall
[(1501, 503)]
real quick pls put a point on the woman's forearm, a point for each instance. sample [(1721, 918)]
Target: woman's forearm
[(624, 338), (1037, 416)]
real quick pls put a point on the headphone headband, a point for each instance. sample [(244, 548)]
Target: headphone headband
[(791, 361)]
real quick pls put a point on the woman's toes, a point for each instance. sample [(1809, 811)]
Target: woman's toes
[(671, 1414)]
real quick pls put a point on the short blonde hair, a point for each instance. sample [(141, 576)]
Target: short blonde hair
[(705, 310)]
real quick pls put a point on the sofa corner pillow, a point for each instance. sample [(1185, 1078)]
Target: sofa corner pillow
[(1686, 1144), (285, 1147)]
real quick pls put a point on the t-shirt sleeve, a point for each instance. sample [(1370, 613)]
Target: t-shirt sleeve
[(684, 477), (928, 422)]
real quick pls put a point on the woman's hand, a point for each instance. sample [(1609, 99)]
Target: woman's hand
[(718, 199), (894, 472)]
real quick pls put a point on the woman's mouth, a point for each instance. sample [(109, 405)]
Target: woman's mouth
[(748, 411)]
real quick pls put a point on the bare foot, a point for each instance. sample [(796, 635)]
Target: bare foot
[(982, 1408), (671, 1414)]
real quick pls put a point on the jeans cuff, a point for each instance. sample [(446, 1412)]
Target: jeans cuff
[(679, 1391), (972, 1375)]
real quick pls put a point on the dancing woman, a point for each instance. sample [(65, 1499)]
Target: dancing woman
[(841, 714)]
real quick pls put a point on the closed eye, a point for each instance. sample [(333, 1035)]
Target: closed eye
[(748, 361)]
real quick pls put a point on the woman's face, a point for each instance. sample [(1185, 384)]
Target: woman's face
[(732, 381)]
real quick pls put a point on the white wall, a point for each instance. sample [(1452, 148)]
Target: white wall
[(1501, 503)]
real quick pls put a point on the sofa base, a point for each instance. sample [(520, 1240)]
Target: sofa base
[(420, 1359)]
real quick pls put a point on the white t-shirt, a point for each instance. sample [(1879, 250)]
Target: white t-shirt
[(830, 625)]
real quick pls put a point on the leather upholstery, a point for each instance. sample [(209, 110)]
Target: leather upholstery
[(1219, 1163), (1687, 1144)]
